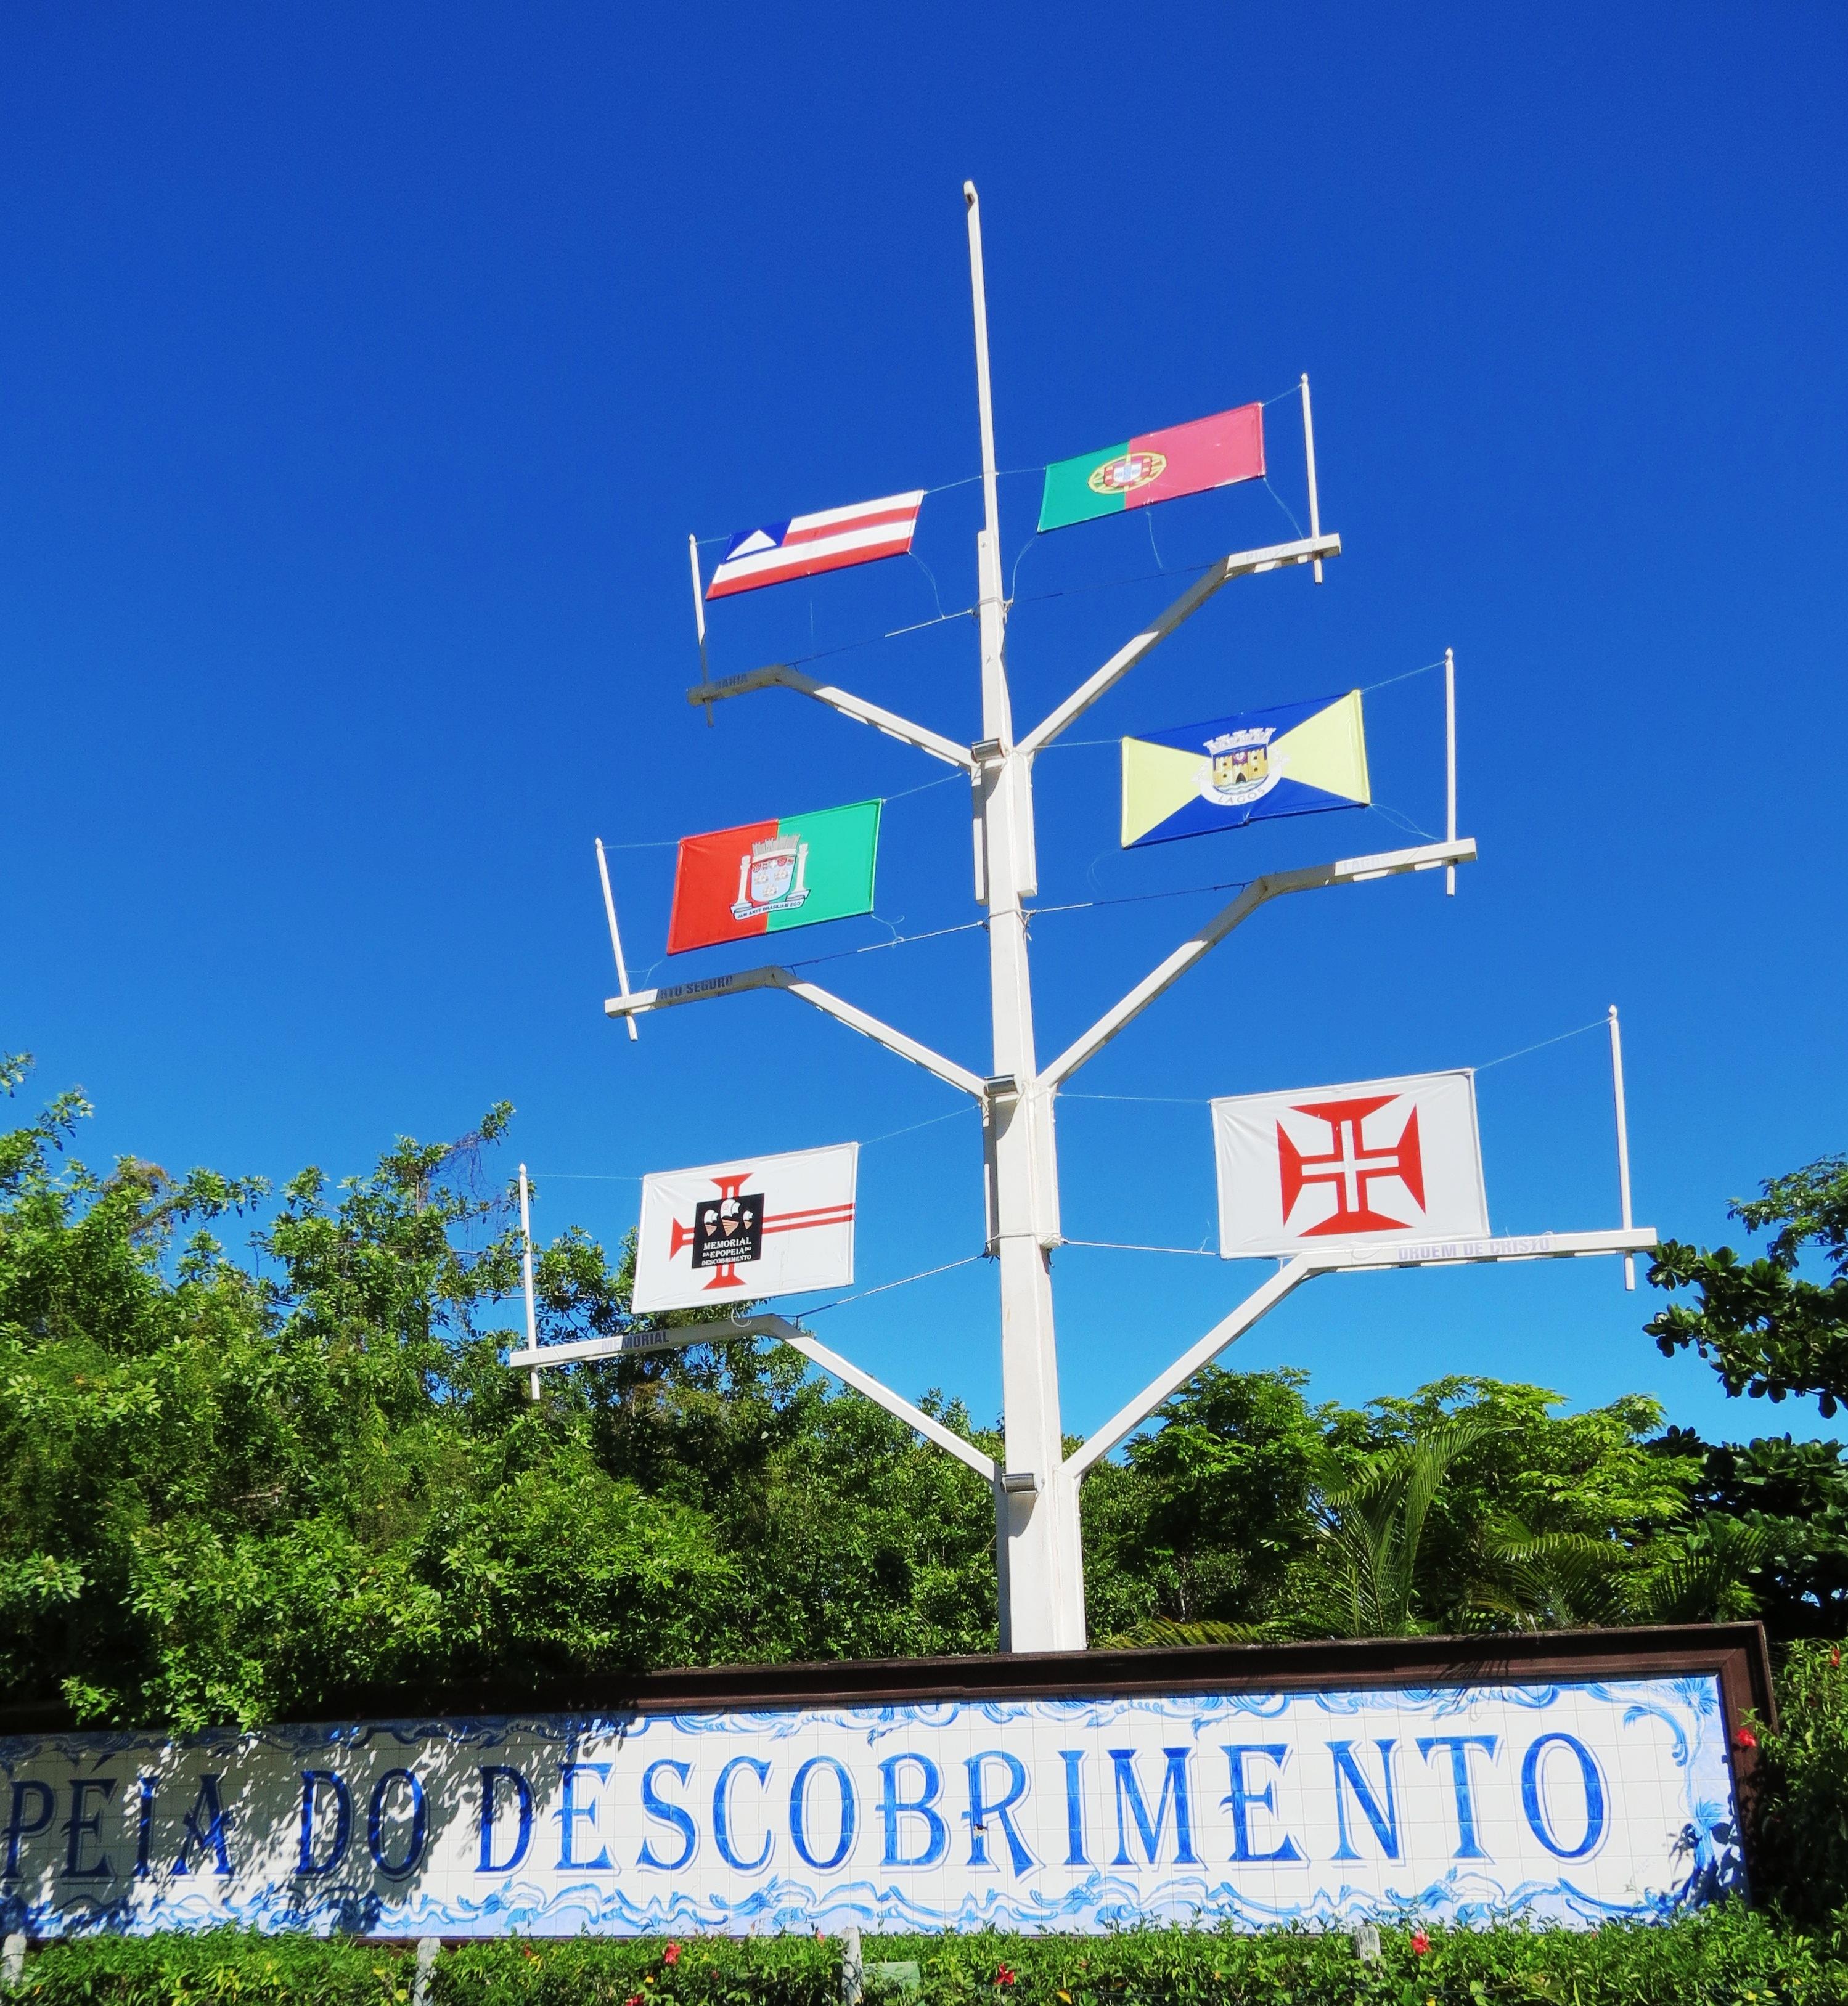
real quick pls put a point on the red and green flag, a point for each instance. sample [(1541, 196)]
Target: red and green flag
[(766, 876), (1155, 466)]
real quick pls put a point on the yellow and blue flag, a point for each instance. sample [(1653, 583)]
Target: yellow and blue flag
[(1295, 758)]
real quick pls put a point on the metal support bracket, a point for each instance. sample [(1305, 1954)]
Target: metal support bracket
[(1357, 1256), (780, 675), (1261, 891), (1240, 564), (784, 979)]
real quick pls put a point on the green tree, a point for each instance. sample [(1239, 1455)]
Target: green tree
[(1765, 1328)]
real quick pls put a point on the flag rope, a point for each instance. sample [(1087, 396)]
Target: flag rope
[(1134, 1247), (904, 1281)]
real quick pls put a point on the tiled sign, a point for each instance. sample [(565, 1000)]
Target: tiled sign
[(1571, 1802)]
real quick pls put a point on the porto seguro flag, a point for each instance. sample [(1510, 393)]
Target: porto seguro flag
[(807, 545), (1155, 466), (1296, 758), (765, 876), (1382, 1159), (730, 1233)]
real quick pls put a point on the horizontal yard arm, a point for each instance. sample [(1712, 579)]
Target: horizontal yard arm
[(1241, 564), (855, 1018), (780, 675), (1349, 870)]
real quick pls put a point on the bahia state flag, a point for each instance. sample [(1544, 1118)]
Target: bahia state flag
[(826, 541), (765, 876), (1297, 759), (1155, 466)]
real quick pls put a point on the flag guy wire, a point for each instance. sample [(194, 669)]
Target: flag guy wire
[(1309, 458), (1623, 1139), (603, 872), (1036, 1486)]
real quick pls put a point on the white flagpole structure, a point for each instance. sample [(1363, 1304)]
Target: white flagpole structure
[(603, 872), (1309, 455), (1623, 1139), (1038, 1506), (705, 674), (1450, 769), (526, 1262), (1039, 1558)]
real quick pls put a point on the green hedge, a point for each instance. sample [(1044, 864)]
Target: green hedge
[(1727, 1956)]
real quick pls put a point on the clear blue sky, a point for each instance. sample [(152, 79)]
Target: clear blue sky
[(365, 370)]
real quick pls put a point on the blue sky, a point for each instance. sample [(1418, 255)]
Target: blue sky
[(366, 369)]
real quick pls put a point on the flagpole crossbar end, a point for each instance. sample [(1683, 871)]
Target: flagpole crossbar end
[(1361, 1258)]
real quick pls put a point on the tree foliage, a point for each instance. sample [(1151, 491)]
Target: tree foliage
[(1767, 1329), (232, 1489)]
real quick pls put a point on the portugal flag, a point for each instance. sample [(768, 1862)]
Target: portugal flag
[(765, 876), (1155, 466)]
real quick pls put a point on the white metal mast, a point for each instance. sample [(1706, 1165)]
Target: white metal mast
[(1036, 1513), (1038, 1552)]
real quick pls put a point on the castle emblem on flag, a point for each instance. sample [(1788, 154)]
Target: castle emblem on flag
[(1346, 1163), (1134, 469), (770, 875), (1241, 769)]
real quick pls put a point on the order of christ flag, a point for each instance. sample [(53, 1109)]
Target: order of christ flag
[(1381, 1159), (1295, 758), (763, 1226), (1155, 466), (826, 541), (765, 876)]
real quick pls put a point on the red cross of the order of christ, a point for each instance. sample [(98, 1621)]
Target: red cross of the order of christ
[(1350, 1167), (726, 1274)]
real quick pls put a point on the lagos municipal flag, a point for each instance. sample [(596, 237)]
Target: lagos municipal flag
[(1297, 759), (765, 876), (1155, 466)]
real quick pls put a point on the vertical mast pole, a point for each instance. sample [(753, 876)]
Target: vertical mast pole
[(1039, 1558), (603, 872), (1623, 1139), (525, 1249), (1309, 455), (1450, 765)]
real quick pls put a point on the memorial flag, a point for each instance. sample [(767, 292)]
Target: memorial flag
[(1382, 1159), (765, 876), (763, 1226), (1155, 466), (1296, 758), (826, 541)]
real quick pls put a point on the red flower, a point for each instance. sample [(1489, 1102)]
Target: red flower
[(1421, 1943), (1003, 1976), (1835, 1657), (671, 1954), (1745, 1739), (634, 1999)]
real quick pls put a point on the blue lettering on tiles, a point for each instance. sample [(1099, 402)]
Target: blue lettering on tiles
[(1173, 1790), (1381, 1811), (492, 1778), (723, 1814), (1458, 1747), (798, 1812), (893, 1806), (313, 1783), (1534, 1796), (672, 1815), (1243, 1796)]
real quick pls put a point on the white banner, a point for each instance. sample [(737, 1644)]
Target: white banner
[(1380, 1159), (732, 1233), (1569, 1802)]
